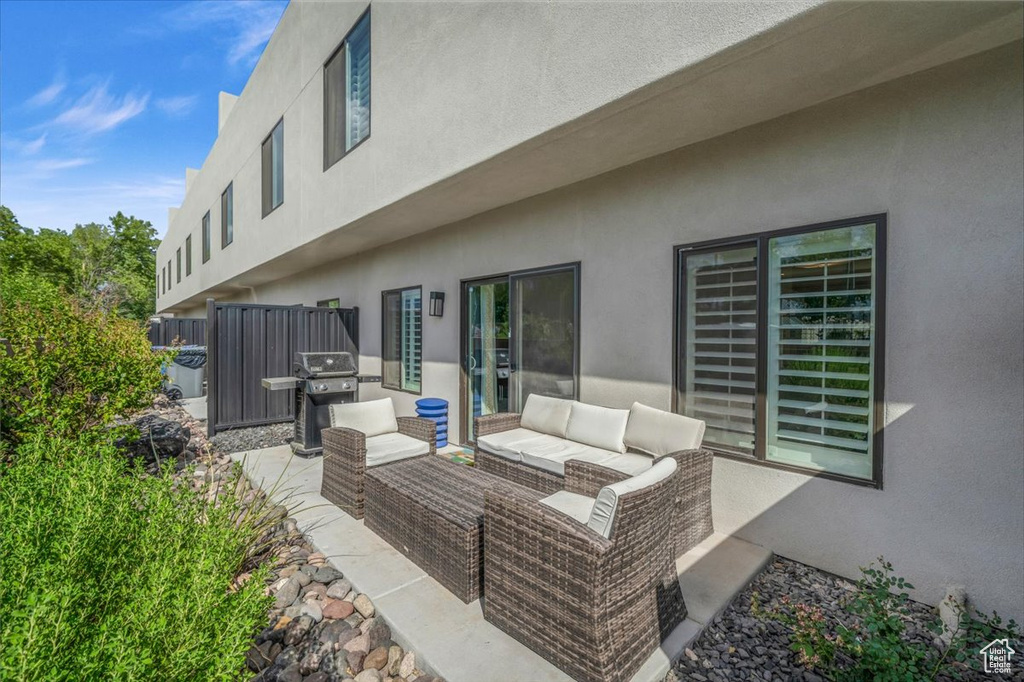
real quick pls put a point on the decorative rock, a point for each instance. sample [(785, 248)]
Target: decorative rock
[(369, 675), (293, 611), (354, 620), (360, 643), (282, 622), (287, 657), (290, 674), (314, 591), (376, 659), (364, 606), (318, 677), (159, 439), (339, 589), (346, 636), (310, 663), (286, 594), (302, 578), (309, 570), (327, 574), (394, 658), (289, 571), (408, 665), (337, 608), (355, 660), (378, 633), (332, 630), (312, 609)]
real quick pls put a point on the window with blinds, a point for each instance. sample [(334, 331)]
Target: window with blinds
[(402, 343), (347, 93), (188, 255), (272, 169), (206, 237), (227, 215), (721, 343), (810, 370)]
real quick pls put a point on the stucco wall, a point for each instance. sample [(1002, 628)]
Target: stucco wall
[(941, 153)]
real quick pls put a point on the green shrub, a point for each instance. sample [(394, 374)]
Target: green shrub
[(71, 368), (875, 647), (108, 576)]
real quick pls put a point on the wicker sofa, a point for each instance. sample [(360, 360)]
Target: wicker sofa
[(552, 438), (595, 574), (368, 434)]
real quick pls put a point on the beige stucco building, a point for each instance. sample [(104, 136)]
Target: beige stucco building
[(498, 138)]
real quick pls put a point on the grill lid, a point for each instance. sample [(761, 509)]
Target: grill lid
[(334, 364)]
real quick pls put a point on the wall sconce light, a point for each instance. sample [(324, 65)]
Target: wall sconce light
[(436, 303)]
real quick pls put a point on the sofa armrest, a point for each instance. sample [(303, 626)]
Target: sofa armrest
[(495, 423), (693, 497), (587, 478), (420, 429)]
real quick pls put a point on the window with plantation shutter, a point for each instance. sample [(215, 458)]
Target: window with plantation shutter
[(780, 346), (402, 342), (347, 93)]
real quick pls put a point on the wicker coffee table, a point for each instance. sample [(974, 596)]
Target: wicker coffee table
[(432, 511)]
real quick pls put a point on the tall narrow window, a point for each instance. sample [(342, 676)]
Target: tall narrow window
[(347, 93), (169, 275), (402, 339), (227, 216), (163, 280), (188, 255), (206, 237), (177, 265), (780, 346), (273, 169)]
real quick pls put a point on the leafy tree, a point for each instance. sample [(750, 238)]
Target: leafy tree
[(111, 266)]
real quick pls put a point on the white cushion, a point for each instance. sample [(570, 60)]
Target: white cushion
[(629, 463), (576, 506), (510, 444), (602, 518), (553, 457), (602, 427), (659, 433), (546, 415), (372, 417), (391, 447)]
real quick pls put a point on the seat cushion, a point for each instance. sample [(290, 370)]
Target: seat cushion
[(546, 415), (602, 427), (509, 444), (659, 433), (576, 506), (372, 417), (552, 457), (602, 517), (391, 447), (629, 463)]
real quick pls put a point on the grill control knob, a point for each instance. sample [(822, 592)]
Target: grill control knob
[(322, 387)]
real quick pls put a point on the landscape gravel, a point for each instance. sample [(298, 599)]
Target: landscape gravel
[(253, 438), (739, 646)]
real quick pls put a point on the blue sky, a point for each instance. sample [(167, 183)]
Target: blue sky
[(104, 104)]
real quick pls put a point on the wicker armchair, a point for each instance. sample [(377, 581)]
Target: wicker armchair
[(345, 461), (598, 606)]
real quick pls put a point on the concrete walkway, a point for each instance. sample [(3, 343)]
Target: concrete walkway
[(452, 639)]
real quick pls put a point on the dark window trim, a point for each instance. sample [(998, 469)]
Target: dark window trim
[(170, 275), (225, 241), (188, 255), (383, 337), (264, 206), (207, 238), (177, 266), (369, 126), (760, 239)]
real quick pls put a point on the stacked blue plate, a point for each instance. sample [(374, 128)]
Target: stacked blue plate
[(436, 410)]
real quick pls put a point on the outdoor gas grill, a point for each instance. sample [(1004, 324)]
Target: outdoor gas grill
[(321, 380)]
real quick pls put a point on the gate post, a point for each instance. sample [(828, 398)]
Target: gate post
[(211, 367)]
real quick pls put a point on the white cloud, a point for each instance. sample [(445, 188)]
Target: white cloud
[(33, 147), (49, 166), (249, 24), (47, 94), (97, 111), (177, 106)]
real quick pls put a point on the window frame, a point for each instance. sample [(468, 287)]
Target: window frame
[(326, 303), (227, 211), (383, 337), (760, 241), (177, 266), (188, 255), (335, 53), (170, 275), (267, 178), (207, 239)]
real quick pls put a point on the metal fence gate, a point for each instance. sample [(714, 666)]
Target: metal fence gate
[(247, 342), (189, 330)]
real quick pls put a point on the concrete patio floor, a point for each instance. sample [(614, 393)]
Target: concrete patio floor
[(452, 639)]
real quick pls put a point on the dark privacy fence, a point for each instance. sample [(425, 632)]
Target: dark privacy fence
[(248, 342), (188, 330)]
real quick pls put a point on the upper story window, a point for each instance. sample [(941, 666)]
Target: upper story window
[(273, 169), (177, 265), (779, 346), (227, 216), (206, 237), (163, 280), (188, 255), (347, 93), (402, 340), (169, 282)]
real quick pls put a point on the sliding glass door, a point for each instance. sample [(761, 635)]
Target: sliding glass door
[(520, 336)]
